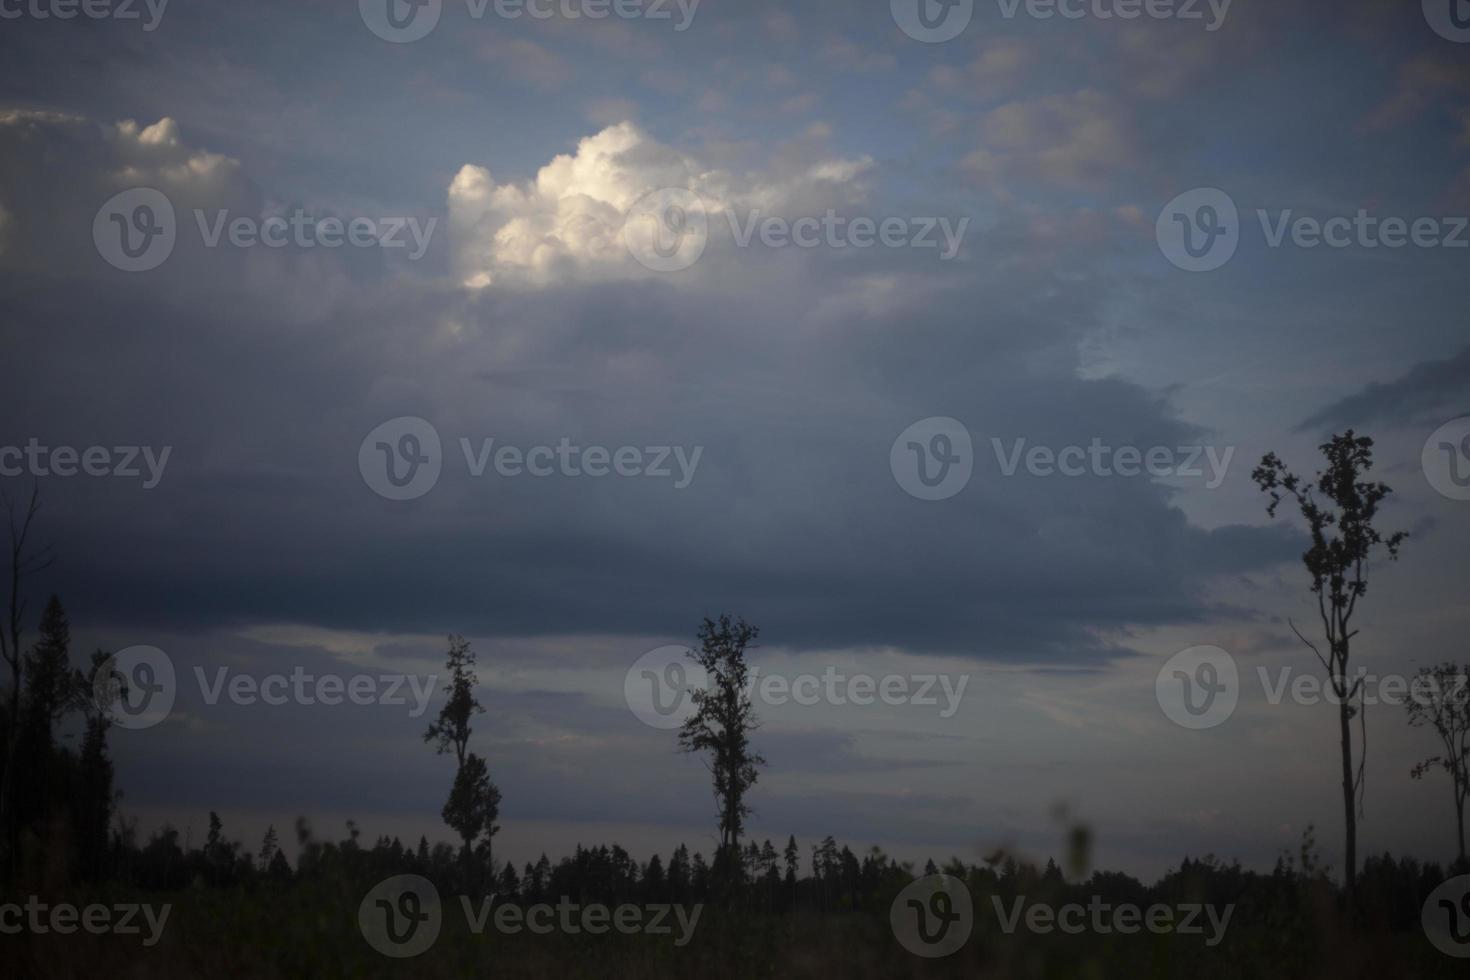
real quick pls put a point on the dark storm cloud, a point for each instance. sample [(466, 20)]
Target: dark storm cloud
[(1429, 390), (264, 372)]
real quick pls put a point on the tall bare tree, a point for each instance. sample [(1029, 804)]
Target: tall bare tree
[(25, 560), (721, 724), (1340, 508), (1440, 700)]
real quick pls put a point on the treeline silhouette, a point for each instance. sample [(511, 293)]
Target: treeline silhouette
[(63, 835), (1290, 915), (56, 818), (826, 877)]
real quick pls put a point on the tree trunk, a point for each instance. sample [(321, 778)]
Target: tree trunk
[(9, 832), (1460, 819), (1349, 811)]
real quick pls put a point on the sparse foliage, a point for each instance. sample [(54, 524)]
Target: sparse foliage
[(720, 725), (1439, 700), (1340, 509)]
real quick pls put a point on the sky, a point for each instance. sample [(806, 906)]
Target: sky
[(562, 326)]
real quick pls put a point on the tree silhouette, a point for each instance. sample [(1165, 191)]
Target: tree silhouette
[(721, 724), (474, 801), (1344, 537), (452, 728), (53, 688), (473, 806), (95, 793), (269, 846), (1439, 699), (23, 561)]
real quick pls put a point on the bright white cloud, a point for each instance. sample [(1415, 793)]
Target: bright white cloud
[(567, 222)]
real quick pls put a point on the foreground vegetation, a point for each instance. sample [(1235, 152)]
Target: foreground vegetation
[(237, 915)]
